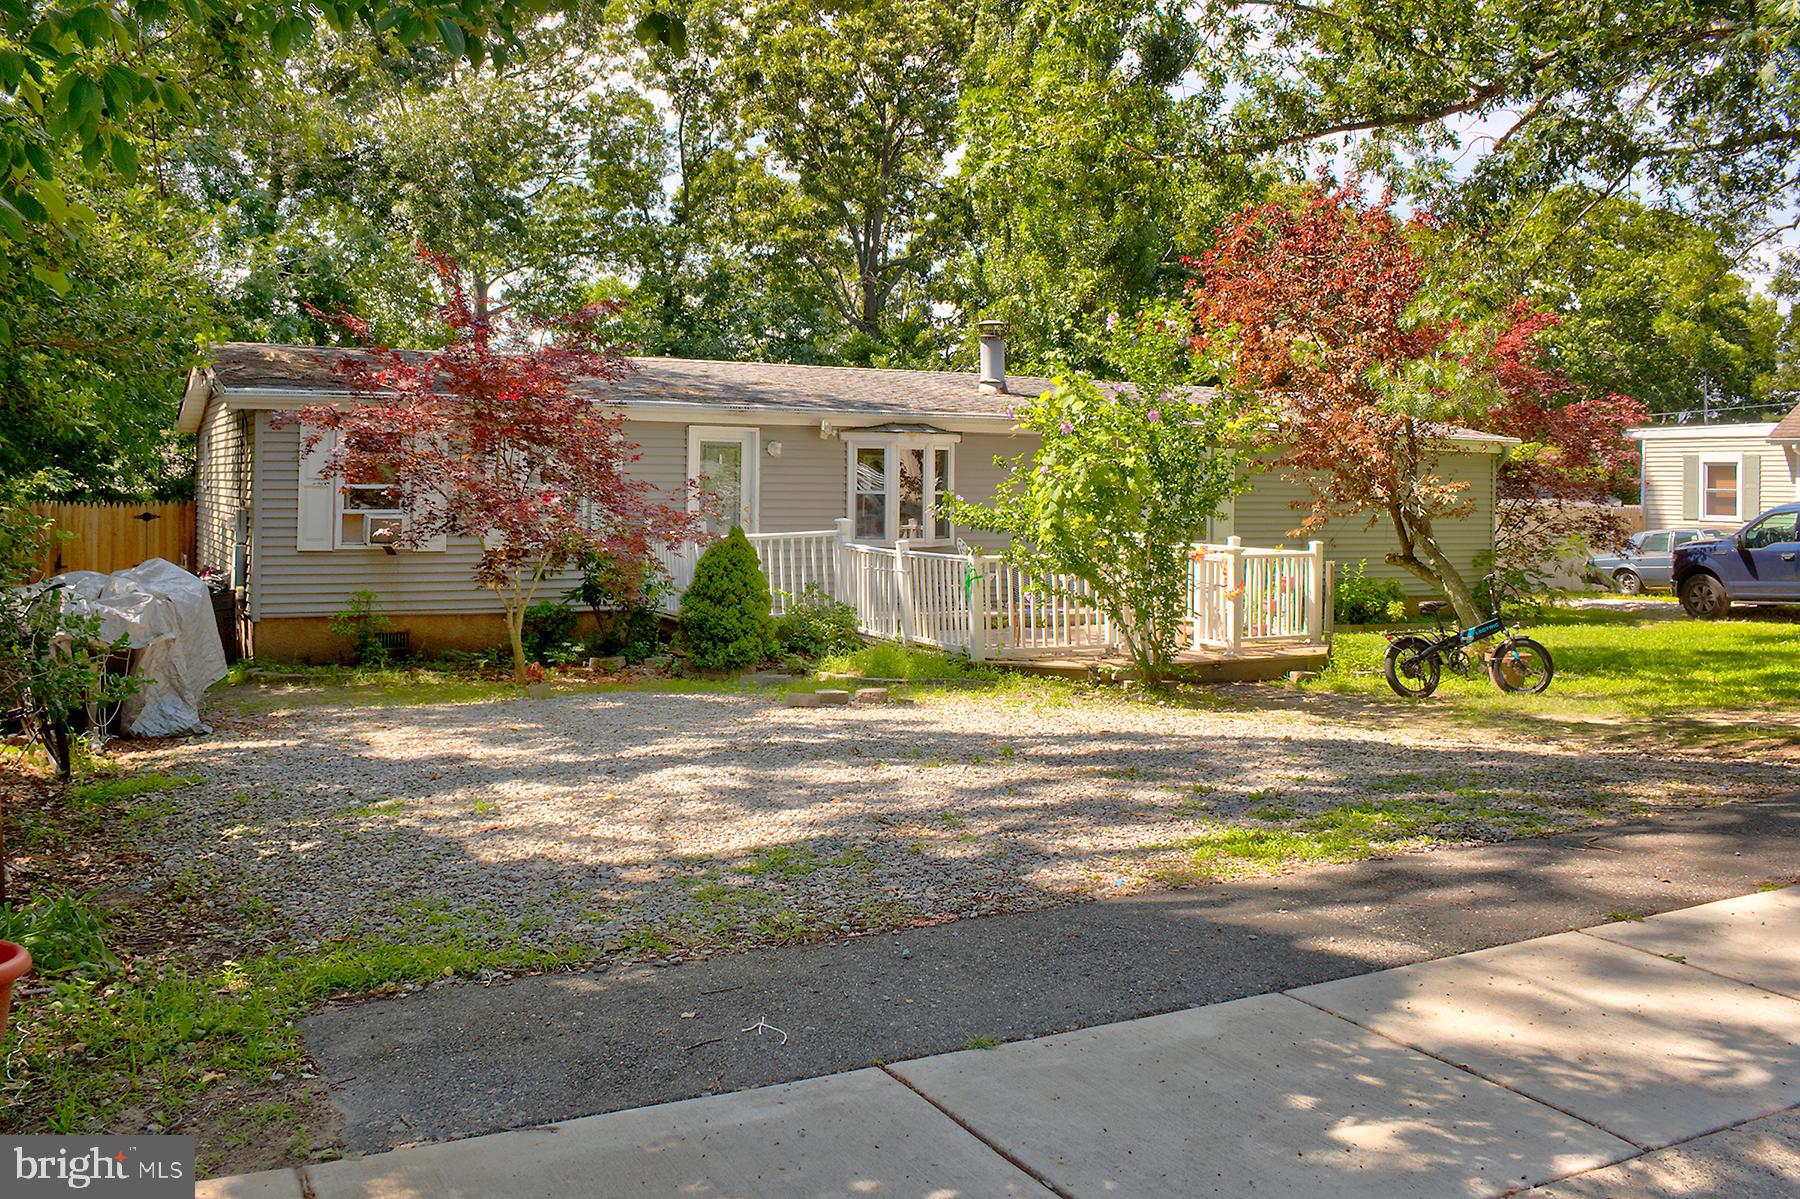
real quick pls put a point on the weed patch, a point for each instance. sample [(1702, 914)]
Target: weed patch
[(129, 786)]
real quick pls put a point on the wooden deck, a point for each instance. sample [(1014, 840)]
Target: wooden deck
[(1252, 664)]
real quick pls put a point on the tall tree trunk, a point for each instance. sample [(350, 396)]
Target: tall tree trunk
[(1417, 537), (869, 304), (513, 608)]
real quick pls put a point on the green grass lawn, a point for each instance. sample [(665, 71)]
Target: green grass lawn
[(1620, 666)]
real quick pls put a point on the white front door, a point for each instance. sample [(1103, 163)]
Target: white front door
[(723, 462)]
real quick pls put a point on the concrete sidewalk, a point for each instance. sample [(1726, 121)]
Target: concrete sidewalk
[(1648, 1059)]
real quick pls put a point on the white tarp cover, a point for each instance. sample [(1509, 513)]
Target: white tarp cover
[(167, 613)]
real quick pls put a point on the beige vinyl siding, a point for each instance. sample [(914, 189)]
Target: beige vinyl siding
[(978, 475), (807, 487), (1264, 516), (221, 484), (1663, 475), (289, 582), (802, 490)]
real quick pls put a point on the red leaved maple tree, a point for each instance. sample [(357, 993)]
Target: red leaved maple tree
[(500, 437), (1558, 486), (1312, 307)]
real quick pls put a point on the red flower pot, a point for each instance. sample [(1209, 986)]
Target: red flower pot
[(15, 963)]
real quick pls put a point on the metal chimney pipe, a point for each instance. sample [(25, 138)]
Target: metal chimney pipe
[(992, 380)]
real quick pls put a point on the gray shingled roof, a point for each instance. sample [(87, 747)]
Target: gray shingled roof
[(1788, 427), (767, 386), (770, 385)]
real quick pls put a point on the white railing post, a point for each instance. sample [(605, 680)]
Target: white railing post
[(840, 561), (1315, 592), (974, 586), (1196, 596), (1234, 594), (903, 588)]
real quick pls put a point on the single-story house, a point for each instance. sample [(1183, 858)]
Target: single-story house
[(1717, 474), (798, 447)]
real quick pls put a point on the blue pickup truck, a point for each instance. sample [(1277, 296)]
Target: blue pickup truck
[(1759, 564)]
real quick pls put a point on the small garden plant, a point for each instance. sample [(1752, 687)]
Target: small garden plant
[(623, 594), (362, 621), (1360, 599), (724, 617), (549, 633), (814, 626)]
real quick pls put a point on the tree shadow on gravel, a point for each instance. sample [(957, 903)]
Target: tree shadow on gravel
[(661, 824)]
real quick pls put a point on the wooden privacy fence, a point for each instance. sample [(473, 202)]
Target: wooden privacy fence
[(109, 537), (1237, 595)]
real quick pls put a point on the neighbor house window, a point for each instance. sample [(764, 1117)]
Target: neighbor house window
[(1719, 488), (898, 485), (369, 511)]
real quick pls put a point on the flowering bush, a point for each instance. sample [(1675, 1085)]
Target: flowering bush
[(1124, 480)]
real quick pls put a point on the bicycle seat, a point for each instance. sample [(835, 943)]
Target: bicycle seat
[(1433, 607)]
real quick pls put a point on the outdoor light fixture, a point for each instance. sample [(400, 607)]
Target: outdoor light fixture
[(774, 449)]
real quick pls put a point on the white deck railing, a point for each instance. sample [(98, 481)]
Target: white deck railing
[(979, 602), (1239, 595)]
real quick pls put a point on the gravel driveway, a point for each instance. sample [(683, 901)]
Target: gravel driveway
[(652, 824)]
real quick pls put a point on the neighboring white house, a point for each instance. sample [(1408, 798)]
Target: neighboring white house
[(796, 448), (1718, 474)]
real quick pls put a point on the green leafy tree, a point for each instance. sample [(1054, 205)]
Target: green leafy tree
[(91, 377), (1124, 481), (1078, 177), (852, 106), (699, 278), (533, 177), (1649, 303), (1694, 102), (724, 617), (104, 207)]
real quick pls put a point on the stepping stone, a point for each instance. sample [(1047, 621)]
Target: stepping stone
[(801, 699), (829, 698), (852, 1134), (1645, 1048), (1758, 1160), (1258, 1097), (869, 696), (1754, 938)]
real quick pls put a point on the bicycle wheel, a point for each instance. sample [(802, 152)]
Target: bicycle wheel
[(1521, 664), (1411, 670)]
